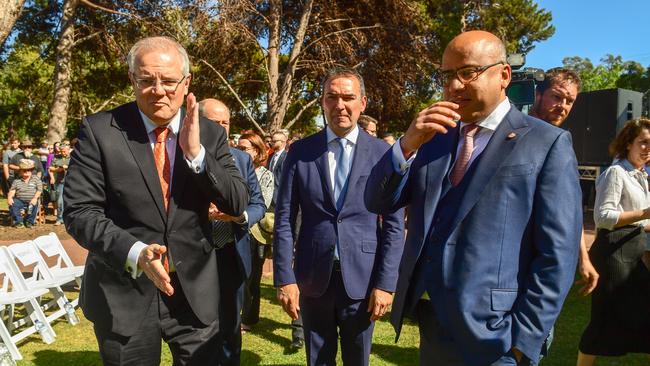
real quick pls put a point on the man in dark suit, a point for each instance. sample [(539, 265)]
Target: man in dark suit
[(233, 240), (494, 215), (276, 160), (343, 272), (139, 184)]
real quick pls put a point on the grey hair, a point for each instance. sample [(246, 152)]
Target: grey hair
[(158, 43)]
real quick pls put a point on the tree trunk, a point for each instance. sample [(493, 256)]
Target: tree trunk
[(9, 12), (62, 75), (280, 89)]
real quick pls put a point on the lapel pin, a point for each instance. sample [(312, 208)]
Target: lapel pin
[(511, 136)]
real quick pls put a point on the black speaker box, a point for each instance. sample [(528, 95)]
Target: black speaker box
[(595, 119)]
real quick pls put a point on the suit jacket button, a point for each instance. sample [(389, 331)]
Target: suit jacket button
[(340, 221)]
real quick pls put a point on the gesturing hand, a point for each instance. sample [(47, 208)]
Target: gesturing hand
[(151, 264), (434, 119), (589, 276), (379, 303), (289, 296), (189, 136)]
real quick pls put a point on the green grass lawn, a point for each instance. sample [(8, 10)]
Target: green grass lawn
[(268, 343)]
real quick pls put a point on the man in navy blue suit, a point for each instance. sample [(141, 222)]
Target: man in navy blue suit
[(343, 269), (231, 235), (494, 215)]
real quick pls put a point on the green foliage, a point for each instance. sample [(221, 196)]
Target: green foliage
[(605, 75)]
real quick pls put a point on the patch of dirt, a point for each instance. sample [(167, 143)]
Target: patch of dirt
[(8, 233)]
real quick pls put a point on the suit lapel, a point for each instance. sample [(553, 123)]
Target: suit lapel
[(324, 168), (180, 174), (505, 138), (135, 135), (360, 158)]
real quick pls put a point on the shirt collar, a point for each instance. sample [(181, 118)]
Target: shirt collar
[(351, 136), (174, 123), (631, 170), (494, 119)]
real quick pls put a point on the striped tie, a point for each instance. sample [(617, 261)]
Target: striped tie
[(465, 154), (163, 167)]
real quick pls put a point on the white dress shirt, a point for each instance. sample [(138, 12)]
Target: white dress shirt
[(620, 188), (481, 139), (333, 150)]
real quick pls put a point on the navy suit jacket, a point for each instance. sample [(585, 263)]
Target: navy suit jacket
[(277, 173), (504, 271), (255, 209), (369, 252)]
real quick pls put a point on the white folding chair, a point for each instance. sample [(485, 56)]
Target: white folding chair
[(14, 292), (28, 255), (63, 267)]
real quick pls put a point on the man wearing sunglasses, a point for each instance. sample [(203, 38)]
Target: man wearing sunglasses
[(494, 215)]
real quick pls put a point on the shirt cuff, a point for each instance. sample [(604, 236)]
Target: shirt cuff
[(132, 259), (400, 164), (198, 163)]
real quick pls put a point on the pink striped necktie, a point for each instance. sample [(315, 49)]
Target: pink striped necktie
[(465, 154)]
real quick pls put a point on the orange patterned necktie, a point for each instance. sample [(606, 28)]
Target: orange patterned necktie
[(164, 172), (465, 154)]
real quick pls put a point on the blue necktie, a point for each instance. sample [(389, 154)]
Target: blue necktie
[(340, 181), (342, 172)]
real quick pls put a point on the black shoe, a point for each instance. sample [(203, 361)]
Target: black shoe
[(28, 224), (297, 343)]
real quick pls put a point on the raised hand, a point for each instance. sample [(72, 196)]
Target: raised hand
[(189, 136), (434, 119)]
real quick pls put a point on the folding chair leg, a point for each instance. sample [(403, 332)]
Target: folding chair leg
[(40, 321), (5, 336)]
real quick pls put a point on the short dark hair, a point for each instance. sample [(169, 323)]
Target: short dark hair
[(343, 71), (558, 75), (632, 129), (365, 119)]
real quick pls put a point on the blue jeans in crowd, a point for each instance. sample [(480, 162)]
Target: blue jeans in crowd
[(59, 201), (20, 205)]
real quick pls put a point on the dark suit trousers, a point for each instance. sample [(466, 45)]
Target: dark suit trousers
[(437, 345), (231, 298), (251, 308), (169, 317), (322, 315)]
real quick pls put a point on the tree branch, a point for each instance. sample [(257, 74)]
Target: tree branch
[(335, 33), (234, 93), (98, 7), (83, 39), (300, 112)]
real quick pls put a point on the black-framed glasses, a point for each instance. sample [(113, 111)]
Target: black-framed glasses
[(168, 85), (465, 74)]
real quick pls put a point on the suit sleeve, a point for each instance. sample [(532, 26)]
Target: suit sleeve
[(386, 190), (286, 211), (221, 181), (557, 224), (85, 202), (256, 207)]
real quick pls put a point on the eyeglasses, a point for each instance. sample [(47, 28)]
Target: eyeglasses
[(169, 86), (465, 74)]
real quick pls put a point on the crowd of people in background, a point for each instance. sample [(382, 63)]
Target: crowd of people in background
[(493, 198), (42, 172)]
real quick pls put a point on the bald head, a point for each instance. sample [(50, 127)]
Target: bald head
[(479, 59), (485, 43), (215, 110)]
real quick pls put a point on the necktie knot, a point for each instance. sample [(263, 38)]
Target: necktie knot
[(161, 134), (470, 130)]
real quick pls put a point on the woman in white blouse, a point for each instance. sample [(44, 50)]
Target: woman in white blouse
[(620, 307), (254, 145)]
